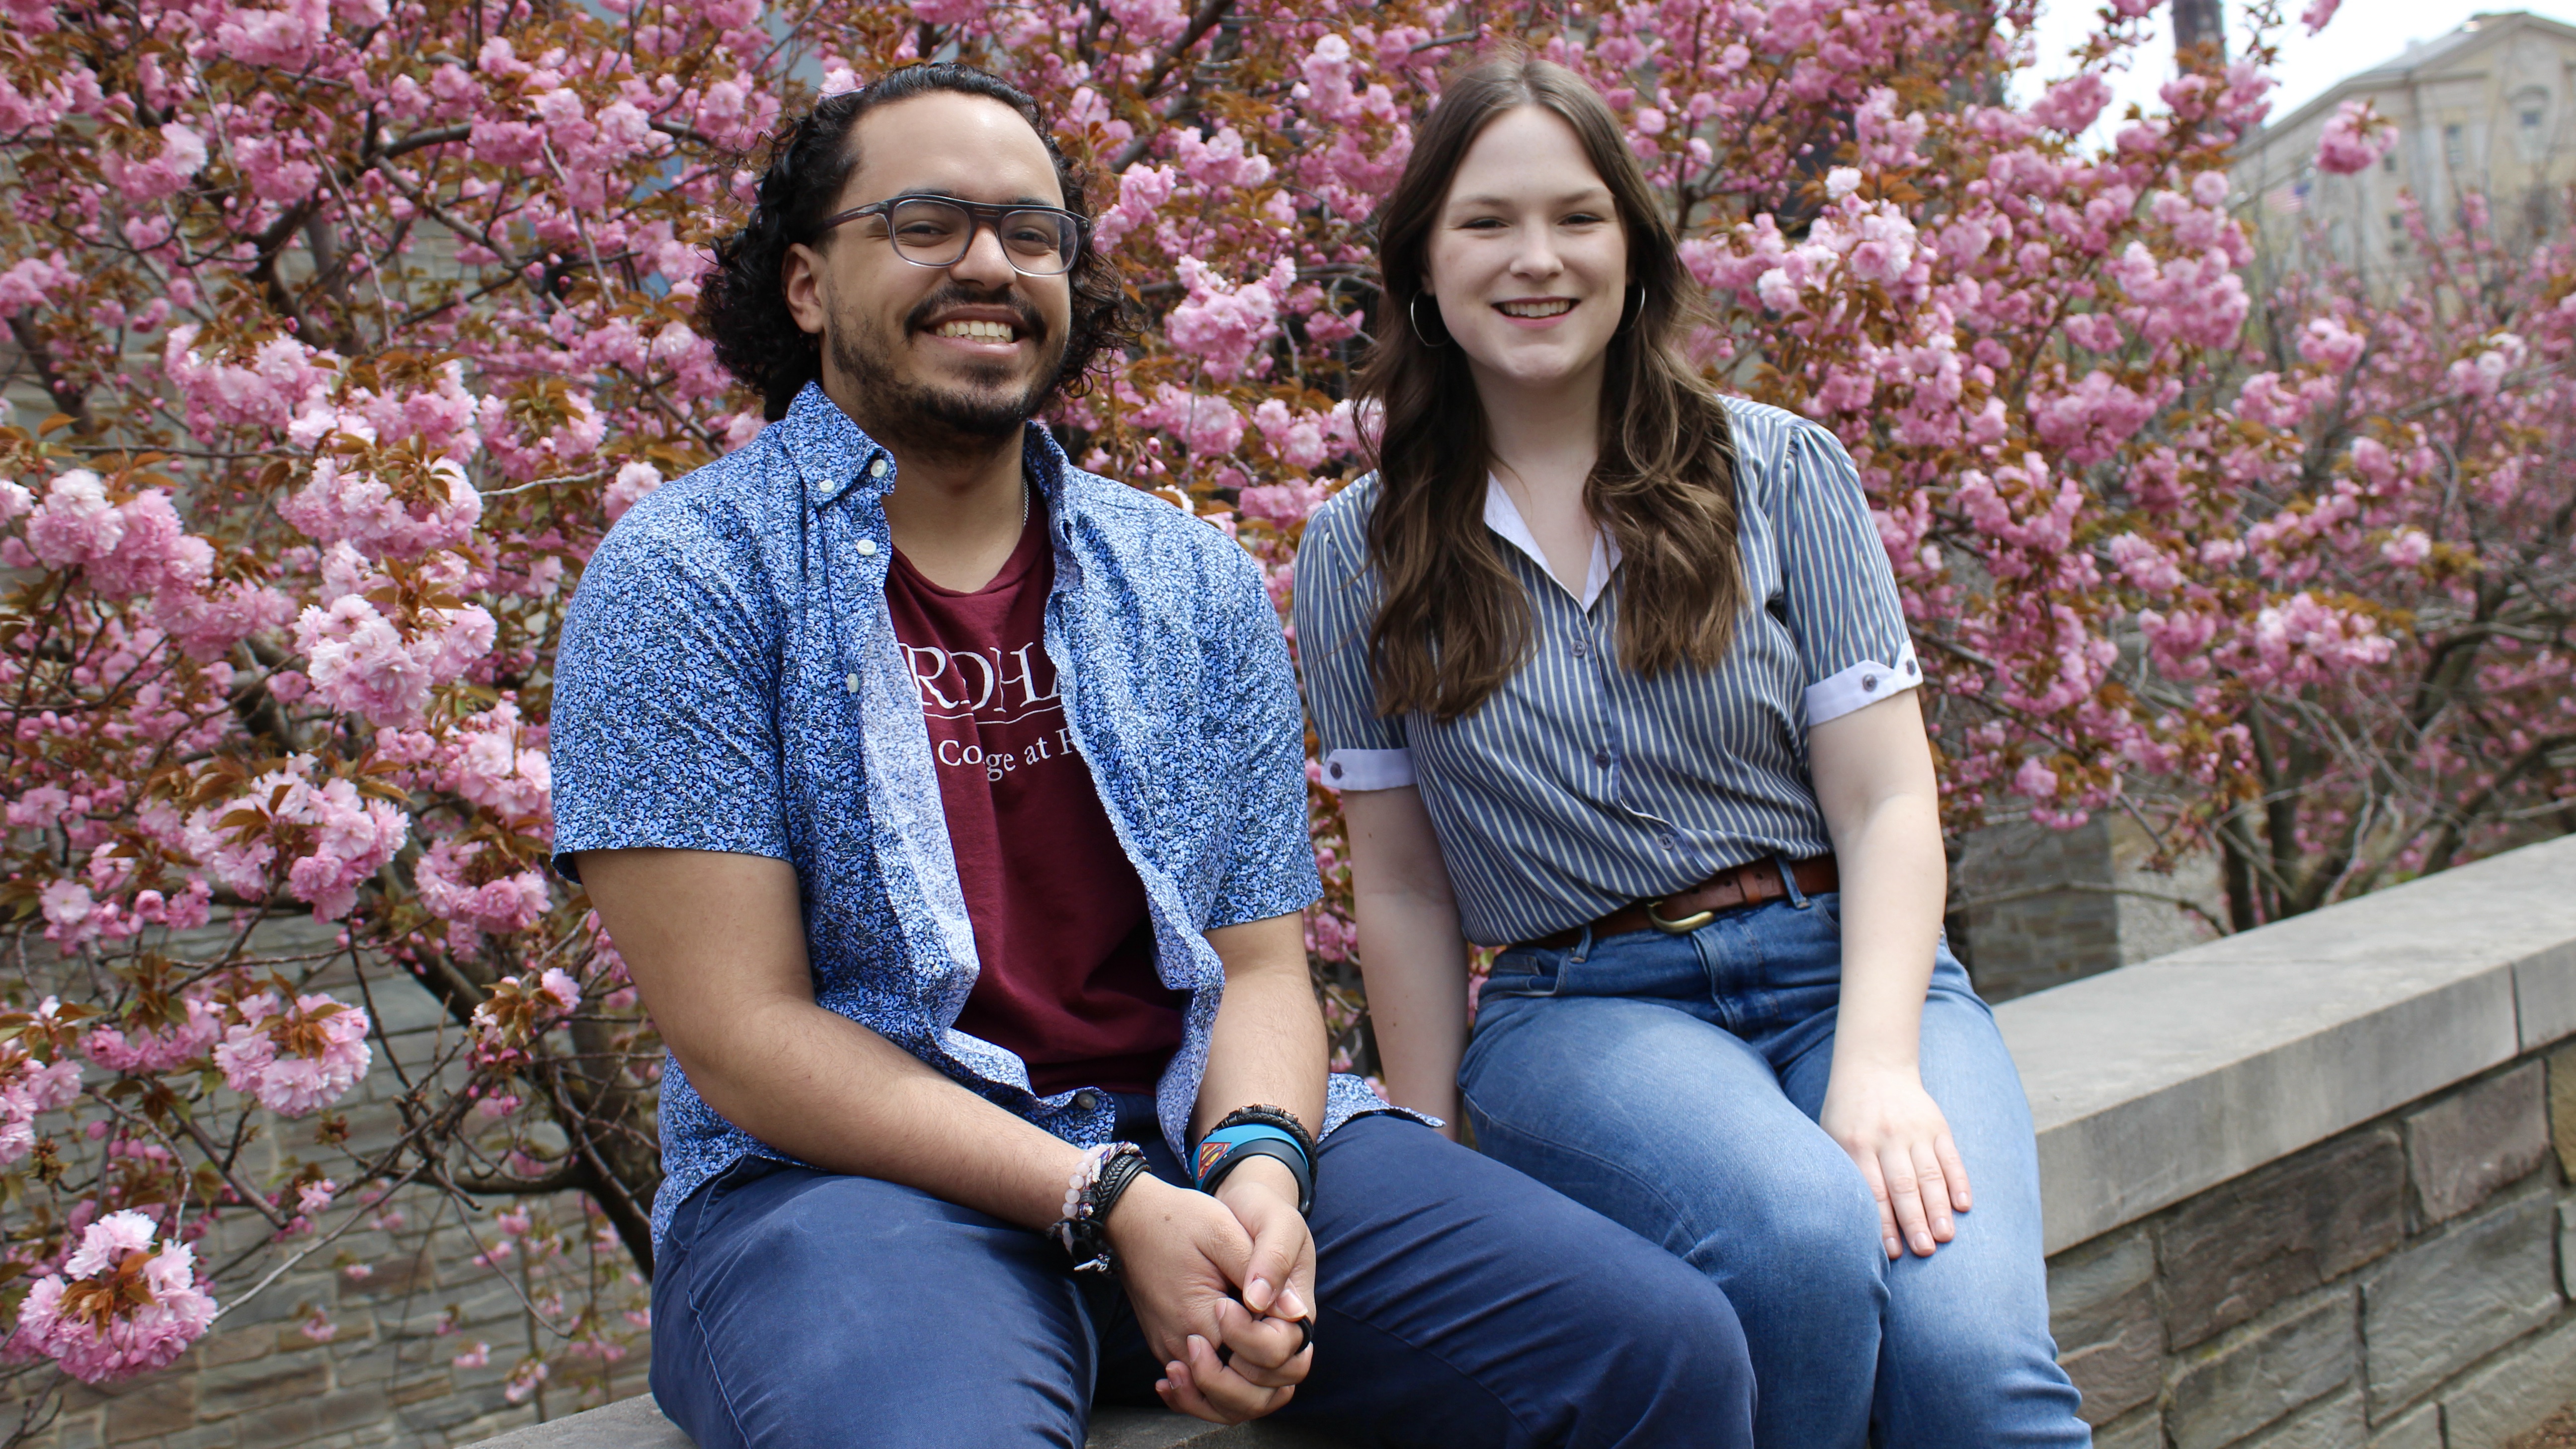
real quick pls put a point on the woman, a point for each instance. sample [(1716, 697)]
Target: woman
[(1613, 675)]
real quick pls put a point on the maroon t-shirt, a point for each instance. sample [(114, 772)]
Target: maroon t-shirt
[(1061, 931)]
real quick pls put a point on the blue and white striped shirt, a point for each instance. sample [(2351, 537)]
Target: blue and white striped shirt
[(1579, 786)]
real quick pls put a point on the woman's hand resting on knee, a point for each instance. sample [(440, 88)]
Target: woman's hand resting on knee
[(1184, 1256), (1891, 1127)]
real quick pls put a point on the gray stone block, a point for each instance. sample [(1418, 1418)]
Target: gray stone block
[(2102, 1312), (2420, 1429), (2248, 1381), (160, 1404), (636, 1424), (2447, 1301), (2562, 1109), (209, 1436), (2334, 1423), (2464, 1147), (2545, 990), (300, 1421), (628, 1424), (2511, 1396), (2567, 1247), (2144, 1429), (2280, 1231), (261, 1382)]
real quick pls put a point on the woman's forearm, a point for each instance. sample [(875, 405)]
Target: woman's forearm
[(1411, 954), (1882, 805), (1894, 879), (1415, 965)]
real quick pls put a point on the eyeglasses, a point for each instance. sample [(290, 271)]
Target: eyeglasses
[(934, 231)]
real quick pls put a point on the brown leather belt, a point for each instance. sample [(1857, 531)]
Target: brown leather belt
[(1749, 884)]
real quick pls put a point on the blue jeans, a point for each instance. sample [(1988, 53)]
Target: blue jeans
[(1673, 1082), (1460, 1303)]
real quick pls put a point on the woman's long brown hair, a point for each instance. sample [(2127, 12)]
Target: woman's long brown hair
[(1453, 623)]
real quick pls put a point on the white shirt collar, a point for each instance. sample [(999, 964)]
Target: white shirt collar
[(1504, 518)]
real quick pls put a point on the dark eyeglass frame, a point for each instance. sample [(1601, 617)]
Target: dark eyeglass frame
[(980, 215)]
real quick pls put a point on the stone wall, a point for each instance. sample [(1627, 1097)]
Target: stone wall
[(2308, 1187), (2402, 1284)]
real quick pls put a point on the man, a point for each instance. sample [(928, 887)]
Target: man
[(947, 804)]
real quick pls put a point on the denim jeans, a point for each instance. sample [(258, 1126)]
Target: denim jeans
[(1459, 1303), (1673, 1083)]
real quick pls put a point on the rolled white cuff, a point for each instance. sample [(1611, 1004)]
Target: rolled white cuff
[(1864, 683), (1368, 769)]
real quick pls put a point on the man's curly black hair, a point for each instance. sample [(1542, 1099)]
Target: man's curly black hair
[(742, 300)]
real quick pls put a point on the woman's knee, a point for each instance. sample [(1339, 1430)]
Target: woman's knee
[(1816, 1229)]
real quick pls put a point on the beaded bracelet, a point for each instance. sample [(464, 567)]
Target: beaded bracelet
[(1094, 1188)]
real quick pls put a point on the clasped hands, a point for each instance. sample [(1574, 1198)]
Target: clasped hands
[(1235, 1271)]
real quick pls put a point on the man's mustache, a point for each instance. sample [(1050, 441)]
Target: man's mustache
[(1030, 323)]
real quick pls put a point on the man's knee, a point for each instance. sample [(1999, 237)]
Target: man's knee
[(1667, 1349)]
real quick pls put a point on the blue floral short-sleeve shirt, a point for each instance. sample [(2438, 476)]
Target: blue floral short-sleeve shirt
[(729, 680)]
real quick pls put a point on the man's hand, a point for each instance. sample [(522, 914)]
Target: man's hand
[(1279, 1287), (1183, 1256)]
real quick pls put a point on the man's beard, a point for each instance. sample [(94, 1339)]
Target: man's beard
[(927, 421)]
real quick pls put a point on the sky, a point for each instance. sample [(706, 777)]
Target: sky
[(2363, 34)]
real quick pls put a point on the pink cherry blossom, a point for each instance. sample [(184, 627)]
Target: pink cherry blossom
[(80, 1318), (510, 903), (2354, 139), (295, 1059)]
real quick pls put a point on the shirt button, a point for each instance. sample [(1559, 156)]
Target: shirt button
[(867, 548), (877, 468), (1601, 758), (1086, 1099), (1582, 648), (1337, 772), (1868, 682), (1909, 667), (853, 683)]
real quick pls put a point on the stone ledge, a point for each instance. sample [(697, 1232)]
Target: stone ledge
[(636, 1424), (2157, 1081)]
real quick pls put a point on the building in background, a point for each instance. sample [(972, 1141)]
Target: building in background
[(2488, 109)]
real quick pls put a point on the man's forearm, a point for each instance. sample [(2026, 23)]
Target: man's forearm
[(830, 1092), (716, 943), (1268, 1045)]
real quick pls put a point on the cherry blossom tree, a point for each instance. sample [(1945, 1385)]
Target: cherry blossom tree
[(360, 321), (2406, 450)]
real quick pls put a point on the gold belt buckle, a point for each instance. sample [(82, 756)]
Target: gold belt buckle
[(1682, 927)]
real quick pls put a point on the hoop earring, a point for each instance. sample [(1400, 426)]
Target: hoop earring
[(1632, 313), (1413, 315)]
